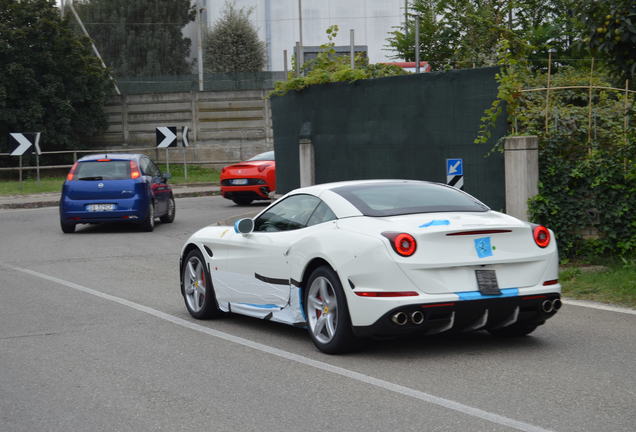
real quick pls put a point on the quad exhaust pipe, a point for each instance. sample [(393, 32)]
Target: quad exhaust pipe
[(548, 306), (401, 318), (417, 317)]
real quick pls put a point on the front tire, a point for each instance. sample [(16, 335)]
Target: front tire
[(172, 210), (327, 313), (197, 288)]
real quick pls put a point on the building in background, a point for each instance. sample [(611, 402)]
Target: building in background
[(277, 24)]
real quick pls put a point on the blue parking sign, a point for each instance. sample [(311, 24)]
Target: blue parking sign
[(454, 167)]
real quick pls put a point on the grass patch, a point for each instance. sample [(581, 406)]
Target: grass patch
[(616, 283), (31, 186), (196, 174)]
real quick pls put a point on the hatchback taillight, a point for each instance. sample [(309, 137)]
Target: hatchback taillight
[(402, 243), (134, 170), (541, 236), (71, 173)]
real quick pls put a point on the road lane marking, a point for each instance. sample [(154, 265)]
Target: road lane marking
[(380, 383), (599, 306)]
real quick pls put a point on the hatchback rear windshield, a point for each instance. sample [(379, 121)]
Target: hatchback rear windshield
[(110, 170), (399, 198), (263, 156)]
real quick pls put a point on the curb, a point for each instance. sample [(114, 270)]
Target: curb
[(55, 203)]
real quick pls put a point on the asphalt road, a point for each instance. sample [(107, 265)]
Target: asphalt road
[(94, 336)]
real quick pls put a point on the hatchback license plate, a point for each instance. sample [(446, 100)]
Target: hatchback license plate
[(100, 207), (487, 282), (239, 181)]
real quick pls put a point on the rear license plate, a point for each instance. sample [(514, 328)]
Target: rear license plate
[(100, 207), (487, 282), (239, 181)]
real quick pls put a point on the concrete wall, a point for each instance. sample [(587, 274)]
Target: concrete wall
[(224, 126)]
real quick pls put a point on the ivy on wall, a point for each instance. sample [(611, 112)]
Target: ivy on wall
[(587, 152)]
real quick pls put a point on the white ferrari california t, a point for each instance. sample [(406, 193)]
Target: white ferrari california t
[(376, 258)]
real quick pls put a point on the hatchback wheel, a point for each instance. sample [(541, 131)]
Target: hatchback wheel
[(170, 214), (67, 228), (327, 313), (197, 288), (148, 224)]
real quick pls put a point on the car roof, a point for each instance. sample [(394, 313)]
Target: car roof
[(114, 156), (319, 188)]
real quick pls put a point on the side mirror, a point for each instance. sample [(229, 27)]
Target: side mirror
[(244, 226), (166, 176)]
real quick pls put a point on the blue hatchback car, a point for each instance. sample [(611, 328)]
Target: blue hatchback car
[(116, 188)]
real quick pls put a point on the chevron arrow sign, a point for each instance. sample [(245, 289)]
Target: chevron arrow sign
[(166, 136)]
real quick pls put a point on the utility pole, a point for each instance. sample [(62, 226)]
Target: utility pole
[(417, 44), (200, 47), (352, 49), (300, 36)]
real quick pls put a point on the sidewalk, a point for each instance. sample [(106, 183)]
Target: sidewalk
[(52, 199)]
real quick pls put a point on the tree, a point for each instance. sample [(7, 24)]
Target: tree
[(141, 37), (610, 28), (232, 45), (50, 80), (467, 32)]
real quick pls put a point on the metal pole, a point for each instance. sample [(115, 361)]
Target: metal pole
[(37, 166), (352, 48), (185, 164), (626, 109), (81, 24), (406, 18), (417, 44), (167, 161), (589, 109), (20, 157), (547, 91), (62, 9), (300, 37), (285, 63), (297, 59), (200, 48)]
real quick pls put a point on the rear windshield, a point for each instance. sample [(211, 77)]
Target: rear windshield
[(399, 198), (263, 156), (95, 170)]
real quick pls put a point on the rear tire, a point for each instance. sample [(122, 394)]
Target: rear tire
[(172, 210), (67, 228), (148, 224), (328, 319), (242, 201), (197, 289), (515, 330)]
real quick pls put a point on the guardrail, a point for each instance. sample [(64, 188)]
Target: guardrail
[(146, 150)]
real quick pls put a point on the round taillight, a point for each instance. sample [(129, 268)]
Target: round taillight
[(541, 236), (403, 244)]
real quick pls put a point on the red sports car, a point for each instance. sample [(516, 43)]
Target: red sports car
[(251, 180)]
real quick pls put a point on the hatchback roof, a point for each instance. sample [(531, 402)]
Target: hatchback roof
[(115, 156)]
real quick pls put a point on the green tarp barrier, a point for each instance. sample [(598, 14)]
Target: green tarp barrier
[(402, 127)]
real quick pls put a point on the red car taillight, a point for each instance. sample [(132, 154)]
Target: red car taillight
[(134, 170), (541, 236), (262, 168), (71, 173), (402, 243)]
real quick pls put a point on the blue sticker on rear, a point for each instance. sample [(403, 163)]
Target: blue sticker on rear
[(483, 247), (435, 222)]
